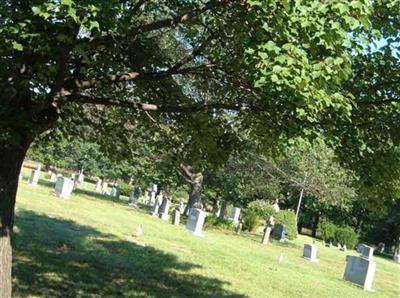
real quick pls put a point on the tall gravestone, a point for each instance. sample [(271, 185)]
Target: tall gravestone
[(279, 232), (35, 175), (98, 185), (235, 214), (64, 187), (310, 252), (156, 208), (396, 257), (53, 177), (195, 221), (361, 269), (165, 209), (176, 216)]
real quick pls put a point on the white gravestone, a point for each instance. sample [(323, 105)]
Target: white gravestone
[(53, 177), (156, 207), (266, 235), (176, 216), (310, 252), (195, 221), (165, 209), (98, 185), (361, 270), (64, 187), (234, 216), (396, 258), (35, 175), (104, 188)]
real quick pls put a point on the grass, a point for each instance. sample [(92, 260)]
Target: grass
[(83, 247)]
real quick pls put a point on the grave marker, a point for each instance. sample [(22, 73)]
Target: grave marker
[(310, 252), (64, 187), (361, 269), (195, 221)]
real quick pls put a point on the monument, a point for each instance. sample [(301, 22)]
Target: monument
[(310, 252), (64, 187), (195, 221)]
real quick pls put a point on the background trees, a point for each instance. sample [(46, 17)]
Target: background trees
[(184, 70)]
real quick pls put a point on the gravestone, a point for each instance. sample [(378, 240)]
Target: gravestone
[(156, 208), (165, 209), (360, 248), (35, 175), (176, 217), (344, 248), (396, 258), (134, 197), (279, 232), (195, 221), (267, 233), (104, 188), (98, 185), (361, 269), (339, 246), (53, 177), (234, 216), (310, 252), (115, 192), (367, 252), (64, 187)]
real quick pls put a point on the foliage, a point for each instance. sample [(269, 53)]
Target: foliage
[(327, 230), (261, 208), (101, 230), (343, 235), (346, 235), (287, 218), (251, 221), (126, 189), (214, 221)]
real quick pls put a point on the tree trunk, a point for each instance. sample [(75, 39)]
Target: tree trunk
[(215, 206), (315, 226), (194, 196), (224, 208), (11, 158)]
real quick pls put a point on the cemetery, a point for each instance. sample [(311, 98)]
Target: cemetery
[(138, 254), (211, 148)]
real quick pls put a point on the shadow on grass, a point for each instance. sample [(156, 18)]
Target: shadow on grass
[(54, 257)]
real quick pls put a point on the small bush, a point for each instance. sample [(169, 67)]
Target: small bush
[(287, 218), (261, 208), (126, 189), (346, 235), (214, 221), (327, 230), (251, 221), (338, 235)]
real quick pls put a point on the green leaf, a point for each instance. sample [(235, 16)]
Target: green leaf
[(17, 46)]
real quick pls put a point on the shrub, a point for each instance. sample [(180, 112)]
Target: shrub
[(338, 235), (261, 208), (126, 189), (346, 235), (327, 230), (287, 218), (251, 221), (214, 221)]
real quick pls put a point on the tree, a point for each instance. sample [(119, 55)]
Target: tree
[(177, 60)]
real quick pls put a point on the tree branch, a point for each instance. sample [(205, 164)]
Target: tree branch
[(131, 76), (180, 108)]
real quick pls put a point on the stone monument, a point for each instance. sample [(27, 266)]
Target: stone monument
[(35, 175), (176, 216), (310, 252), (195, 221), (234, 216), (64, 187), (165, 209), (361, 269)]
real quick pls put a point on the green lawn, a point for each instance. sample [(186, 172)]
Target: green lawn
[(83, 247)]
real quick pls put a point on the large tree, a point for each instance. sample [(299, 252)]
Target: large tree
[(274, 67)]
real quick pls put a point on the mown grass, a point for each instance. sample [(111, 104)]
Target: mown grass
[(83, 247)]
